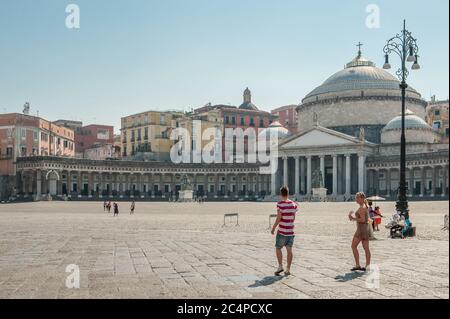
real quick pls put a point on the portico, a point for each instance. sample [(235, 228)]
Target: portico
[(339, 158)]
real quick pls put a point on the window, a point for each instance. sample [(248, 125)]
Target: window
[(437, 112), (146, 133), (227, 119), (233, 120), (139, 134), (9, 151), (162, 119), (446, 132), (242, 121), (132, 135), (252, 121), (436, 125), (261, 122)]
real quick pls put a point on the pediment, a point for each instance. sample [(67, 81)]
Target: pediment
[(318, 137)]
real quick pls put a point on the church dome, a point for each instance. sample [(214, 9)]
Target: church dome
[(359, 74), (275, 128), (360, 95), (412, 121), (416, 130)]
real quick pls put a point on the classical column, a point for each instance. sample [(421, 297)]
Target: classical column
[(411, 181), (444, 180), (302, 175), (322, 168), (79, 182), (90, 184), (297, 173), (388, 181), (335, 175), (69, 183), (38, 183), (422, 181), (285, 171), (361, 170), (433, 181), (376, 181), (308, 175), (347, 175), (273, 183)]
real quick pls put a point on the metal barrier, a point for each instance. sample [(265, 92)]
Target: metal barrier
[(230, 216)]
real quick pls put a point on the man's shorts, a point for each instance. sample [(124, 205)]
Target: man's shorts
[(282, 241)]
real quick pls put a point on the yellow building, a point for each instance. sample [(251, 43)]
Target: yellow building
[(437, 117), (147, 135), (199, 123)]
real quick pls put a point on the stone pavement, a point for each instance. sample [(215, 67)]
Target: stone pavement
[(172, 250)]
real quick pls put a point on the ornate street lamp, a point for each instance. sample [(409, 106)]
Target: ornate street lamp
[(406, 47)]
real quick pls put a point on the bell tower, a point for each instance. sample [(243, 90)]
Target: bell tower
[(247, 96)]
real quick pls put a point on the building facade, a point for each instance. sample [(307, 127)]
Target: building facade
[(84, 179), (102, 152), (287, 116), (92, 136), (245, 116), (147, 135), (437, 118), (349, 138), (24, 135)]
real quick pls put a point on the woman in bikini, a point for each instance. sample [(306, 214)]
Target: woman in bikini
[(362, 234)]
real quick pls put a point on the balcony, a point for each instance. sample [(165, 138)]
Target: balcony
[(6, 156)]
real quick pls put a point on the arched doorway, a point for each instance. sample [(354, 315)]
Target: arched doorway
[(52, 177)]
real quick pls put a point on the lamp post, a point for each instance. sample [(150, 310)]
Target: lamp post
[(405, 46)]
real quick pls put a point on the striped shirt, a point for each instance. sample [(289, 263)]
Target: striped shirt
[(288, 210)]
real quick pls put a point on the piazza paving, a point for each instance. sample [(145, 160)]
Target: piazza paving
[(182, 250)]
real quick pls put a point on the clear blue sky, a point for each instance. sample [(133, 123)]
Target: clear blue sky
[(134, 55)]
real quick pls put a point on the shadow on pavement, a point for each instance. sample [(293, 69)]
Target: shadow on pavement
[(266, 281), (349, 276)]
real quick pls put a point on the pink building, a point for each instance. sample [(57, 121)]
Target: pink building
[(287, 116), (90, 136)]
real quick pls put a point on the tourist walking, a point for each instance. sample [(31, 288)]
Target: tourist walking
[(377, 218), (108, 207), (362, 234), (286, 211), (132, 207), (104, 205), (116, 209)]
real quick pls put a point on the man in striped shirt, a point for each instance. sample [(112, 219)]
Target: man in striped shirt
[(287, 210)]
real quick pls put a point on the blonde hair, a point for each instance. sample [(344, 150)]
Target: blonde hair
[(362, 195)]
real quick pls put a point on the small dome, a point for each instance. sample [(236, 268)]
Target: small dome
[(412, 121), (416, 130), (247, 104), (275, 128)]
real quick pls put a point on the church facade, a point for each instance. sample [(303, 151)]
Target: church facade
[(349, 135)]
